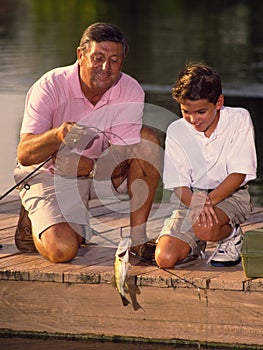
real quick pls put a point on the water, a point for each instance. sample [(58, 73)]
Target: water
[(46, 343), (37, 35)]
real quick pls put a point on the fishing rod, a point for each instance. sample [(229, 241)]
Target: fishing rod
[(27, 186)]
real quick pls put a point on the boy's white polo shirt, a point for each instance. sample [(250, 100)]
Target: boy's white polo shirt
[(193, 160)]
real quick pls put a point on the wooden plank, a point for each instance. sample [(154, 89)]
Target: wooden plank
[(231, 280), (8, 220), (11, 208), (157, 313), (254, 285)]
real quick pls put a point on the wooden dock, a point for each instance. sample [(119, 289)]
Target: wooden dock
[(193, 303)]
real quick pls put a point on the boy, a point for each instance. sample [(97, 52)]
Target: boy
[(209, 158)]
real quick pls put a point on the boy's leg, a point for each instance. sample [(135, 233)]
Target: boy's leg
[(231, 212), (227, 252), (229, 237), (218, 231), (170, 250), (177, 240)]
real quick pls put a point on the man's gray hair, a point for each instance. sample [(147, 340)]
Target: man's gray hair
[(99, 32)]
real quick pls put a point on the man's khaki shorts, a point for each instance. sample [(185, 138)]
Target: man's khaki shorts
[(53, 199), (237, 207)]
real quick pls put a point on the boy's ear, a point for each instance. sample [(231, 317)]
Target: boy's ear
[(220, 102)]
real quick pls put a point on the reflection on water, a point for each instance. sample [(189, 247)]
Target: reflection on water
[(36, 36)]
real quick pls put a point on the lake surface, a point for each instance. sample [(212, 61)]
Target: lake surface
[(58, 344), (36, 36)]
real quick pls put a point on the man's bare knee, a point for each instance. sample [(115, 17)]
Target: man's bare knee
[(59, 243), (148, 133)]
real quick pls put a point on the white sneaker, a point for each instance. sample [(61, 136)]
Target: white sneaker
[(227, 252)]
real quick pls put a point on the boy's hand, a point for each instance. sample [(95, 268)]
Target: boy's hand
[(202, 210)]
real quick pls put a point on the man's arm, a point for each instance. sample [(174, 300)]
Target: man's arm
[(36, 148)]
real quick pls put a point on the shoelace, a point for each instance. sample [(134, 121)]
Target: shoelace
[(228, 246)]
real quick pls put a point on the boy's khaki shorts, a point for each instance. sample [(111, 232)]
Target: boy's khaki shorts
[(54, 199), (237, 207)]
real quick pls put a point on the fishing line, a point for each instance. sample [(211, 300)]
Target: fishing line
[(96, 233), (185, 280), (27, 186)]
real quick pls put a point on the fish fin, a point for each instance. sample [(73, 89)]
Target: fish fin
[(113, 282)]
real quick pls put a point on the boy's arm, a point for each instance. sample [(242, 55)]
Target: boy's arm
[(184, 194), (231, 183), (199, 203), (202, 203)]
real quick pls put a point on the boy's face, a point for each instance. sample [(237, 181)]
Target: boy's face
[(202, 114)]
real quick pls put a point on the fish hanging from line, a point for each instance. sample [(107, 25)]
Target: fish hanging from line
[(121, 265)]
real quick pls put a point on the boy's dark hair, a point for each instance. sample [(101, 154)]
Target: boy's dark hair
[(197, 82), (99, 32)]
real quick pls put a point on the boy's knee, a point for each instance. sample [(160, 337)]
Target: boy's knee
[(208, 233), (165, 261), (168, 259)]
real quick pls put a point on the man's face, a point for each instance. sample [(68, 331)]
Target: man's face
[(100, 65)]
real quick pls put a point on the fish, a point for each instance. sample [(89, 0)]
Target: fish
[(121, 265)]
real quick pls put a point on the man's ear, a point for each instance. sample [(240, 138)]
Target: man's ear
[(220, 102), (80, 55)]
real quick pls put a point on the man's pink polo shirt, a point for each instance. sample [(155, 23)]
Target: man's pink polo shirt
[(57, 97)]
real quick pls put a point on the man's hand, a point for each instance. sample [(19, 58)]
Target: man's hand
[(71, 164), (77, 136)]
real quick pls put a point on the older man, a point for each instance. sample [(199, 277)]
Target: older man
[(87, 120)]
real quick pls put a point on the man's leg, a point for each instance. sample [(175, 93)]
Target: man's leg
[(58, 243), (141, 167), (143, 179), (52, 206), (23, 235)]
